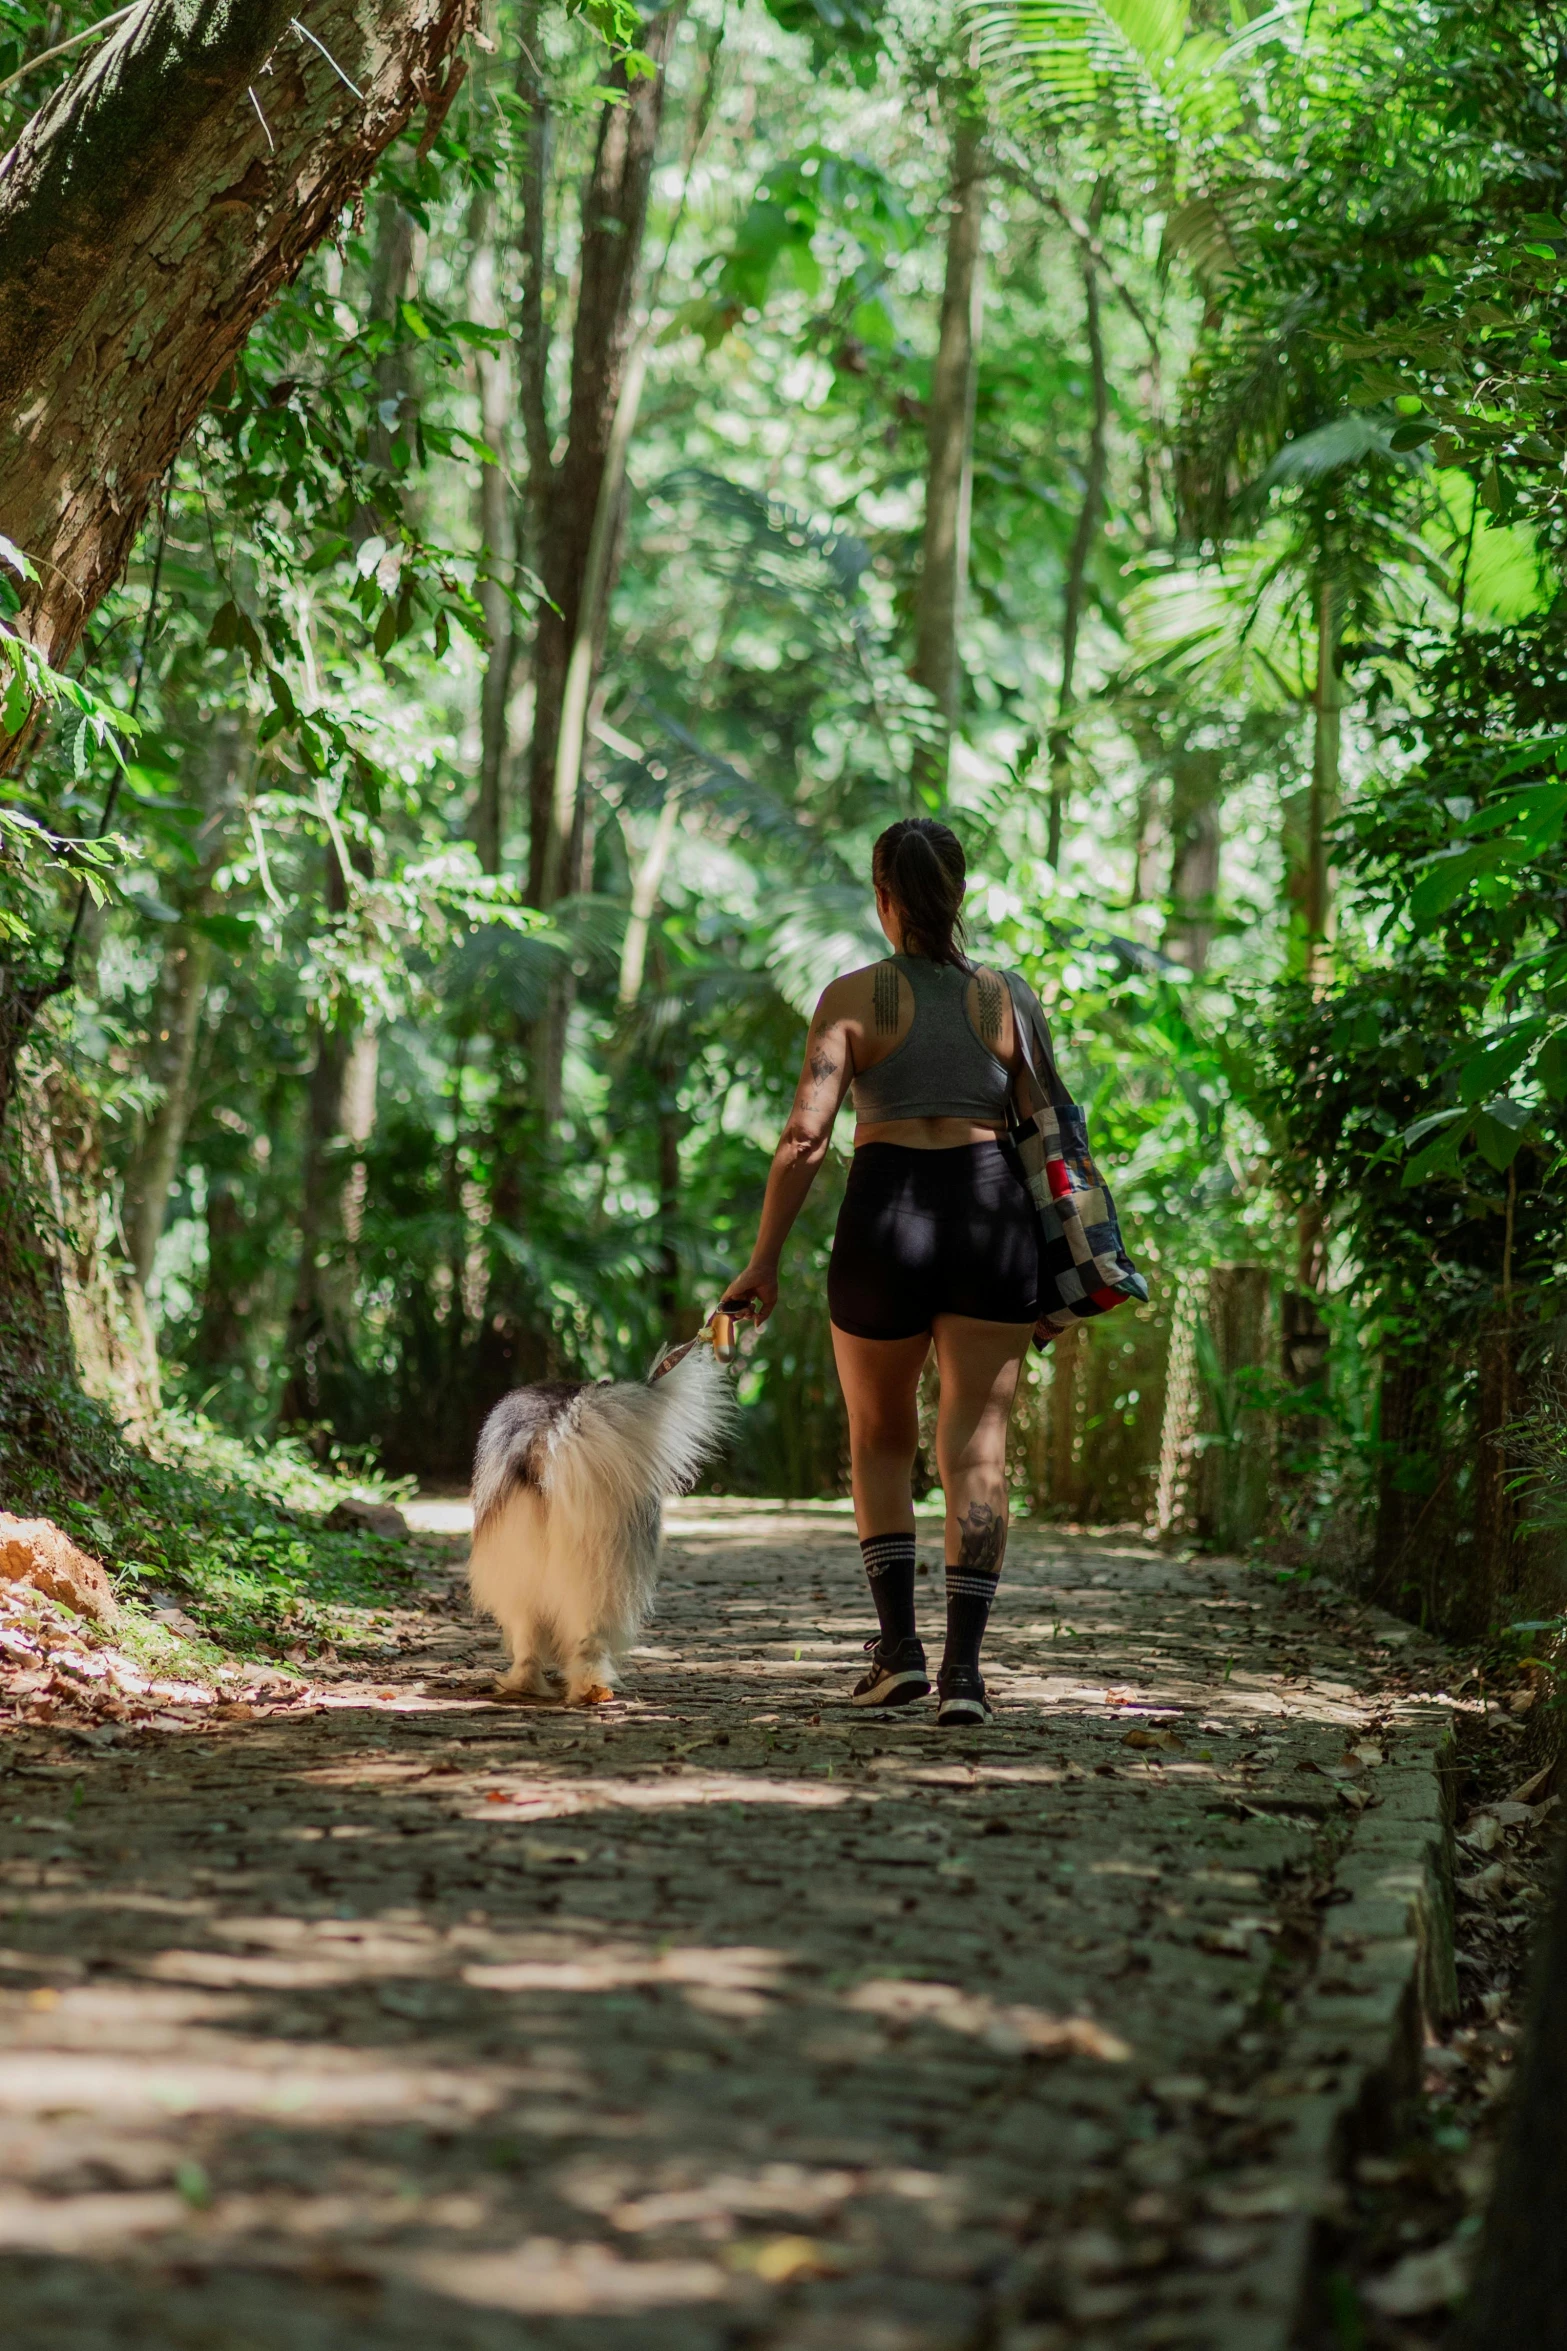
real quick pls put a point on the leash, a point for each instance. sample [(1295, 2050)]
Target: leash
[(720, 1332)]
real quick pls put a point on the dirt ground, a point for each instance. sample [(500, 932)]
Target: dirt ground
[(724, 2016)]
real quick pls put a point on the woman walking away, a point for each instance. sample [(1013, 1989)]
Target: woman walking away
[(937, 1243)]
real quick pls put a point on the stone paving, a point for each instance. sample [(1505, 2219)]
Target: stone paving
[(722, 2017)]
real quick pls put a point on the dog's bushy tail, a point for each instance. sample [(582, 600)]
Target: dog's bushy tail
[(612, 1449)]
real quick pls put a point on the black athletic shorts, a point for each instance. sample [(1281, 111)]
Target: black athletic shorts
[(923, 1233)]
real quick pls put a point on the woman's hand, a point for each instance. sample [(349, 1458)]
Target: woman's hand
[(757, 1288)]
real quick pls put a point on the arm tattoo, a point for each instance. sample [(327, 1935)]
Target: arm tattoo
[(885, 999), (821, 1064), (982, 1540), (989, 1014)]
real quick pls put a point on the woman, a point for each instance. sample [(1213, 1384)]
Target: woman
[(937, 1242)]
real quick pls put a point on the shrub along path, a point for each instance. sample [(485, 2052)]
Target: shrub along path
[(725, 2016)]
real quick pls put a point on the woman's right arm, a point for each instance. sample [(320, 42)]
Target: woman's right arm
[(824, 1080)]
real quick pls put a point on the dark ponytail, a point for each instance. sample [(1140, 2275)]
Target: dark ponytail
[(918, 864)]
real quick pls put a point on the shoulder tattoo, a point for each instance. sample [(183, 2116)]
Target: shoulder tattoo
[(885, 999), (989, 1011)]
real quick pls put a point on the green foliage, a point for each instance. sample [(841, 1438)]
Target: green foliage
[(232, 1532)]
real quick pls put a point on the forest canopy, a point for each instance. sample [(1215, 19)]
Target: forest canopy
[(586, 474)]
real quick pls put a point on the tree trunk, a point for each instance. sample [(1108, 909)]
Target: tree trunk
[(614, 218), (340, 1107), (1493, 1557), (1520, 2288), (493, 382), (225, 1293), (170, 1061), (148, 215), (1322, 804), (1174, 1496), (1088, 520), (316, 1340), (1232, 1482), (532, 343), (110, 1342), (949, 480), (182, 986), (391, 276), (1194, 856), (1066, 1350), (1410, 1482)]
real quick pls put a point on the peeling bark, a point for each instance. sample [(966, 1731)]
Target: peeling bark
[(148, 215)]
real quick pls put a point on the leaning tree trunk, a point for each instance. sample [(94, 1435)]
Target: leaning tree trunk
[(148, 215), (949, 479)]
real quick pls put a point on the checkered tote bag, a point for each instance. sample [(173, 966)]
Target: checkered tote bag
[(1084, 1268)]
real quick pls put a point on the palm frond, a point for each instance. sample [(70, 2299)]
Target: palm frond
[(1133, 63), (816, 934), (1343, 441)]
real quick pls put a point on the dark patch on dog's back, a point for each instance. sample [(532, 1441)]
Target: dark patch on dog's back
[(522, 1421)]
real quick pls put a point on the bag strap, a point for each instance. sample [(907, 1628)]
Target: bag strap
[(1033, 1028)]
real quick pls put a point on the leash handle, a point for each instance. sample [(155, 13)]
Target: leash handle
[(723, 1322), (718, 1332)]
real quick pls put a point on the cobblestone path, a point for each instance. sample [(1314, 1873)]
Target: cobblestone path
[(723, 2017)]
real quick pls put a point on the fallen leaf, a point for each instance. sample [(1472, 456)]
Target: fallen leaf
[(779, 2259), (1487, 1885), (1533, 1787)]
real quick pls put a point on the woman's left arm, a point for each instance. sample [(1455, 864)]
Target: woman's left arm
[(824, 1080)]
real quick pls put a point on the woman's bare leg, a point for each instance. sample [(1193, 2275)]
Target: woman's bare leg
[(979, 1364), (880, 1380)]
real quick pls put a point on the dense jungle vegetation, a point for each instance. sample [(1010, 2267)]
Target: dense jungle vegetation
[(449, 704)]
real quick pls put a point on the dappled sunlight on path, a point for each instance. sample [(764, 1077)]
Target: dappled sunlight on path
[(722, 2016)]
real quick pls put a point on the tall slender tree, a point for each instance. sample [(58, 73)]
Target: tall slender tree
[(949, 474)]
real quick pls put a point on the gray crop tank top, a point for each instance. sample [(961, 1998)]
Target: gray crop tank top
[(943, 1068)]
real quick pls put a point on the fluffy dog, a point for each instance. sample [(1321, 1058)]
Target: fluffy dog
[(568, 1488)]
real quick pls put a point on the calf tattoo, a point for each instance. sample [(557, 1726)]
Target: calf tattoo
[(982, 1541), (884, 999)]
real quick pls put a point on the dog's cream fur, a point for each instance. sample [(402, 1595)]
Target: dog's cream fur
[(568, 1488)]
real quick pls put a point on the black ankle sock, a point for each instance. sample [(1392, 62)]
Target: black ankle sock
[(971, 1582), (889, 1564), (970, 1592)]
